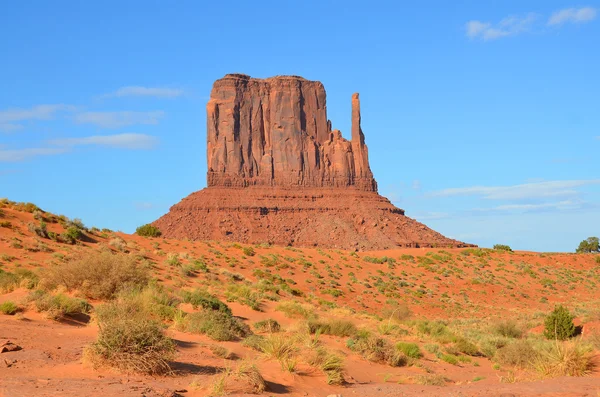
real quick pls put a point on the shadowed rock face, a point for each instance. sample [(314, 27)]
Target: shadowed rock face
[(278, 173), (275, 132)]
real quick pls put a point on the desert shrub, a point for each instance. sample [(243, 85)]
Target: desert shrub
[(559, 324), (217, 325), (253, 342), (96, 275), (205, 300), (221, 352), (376, 350), (8, 281), (154, 299), (598, 260), (248, 251), (591, 244), (331, 364), (519, 354), (437, 330), (41, 230), (399, 312), (244, 295), (250, 374), (6, 224), (564, 359), (502, 247), (409, 349), (71, 235), (508, 329), (148, 231), (332, 327), (294, 309), (9, 308), (130, 341), (449, 358), (269, 325), (465, 347), (58, 306)]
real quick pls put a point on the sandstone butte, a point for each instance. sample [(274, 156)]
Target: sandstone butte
[(278, 173)]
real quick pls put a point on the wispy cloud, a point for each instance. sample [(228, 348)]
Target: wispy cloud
[(536, 190), (515, 25), (572, 15), (16, 155), (156, 92), (119, 119), (559, 205), (124, 141), (9, 117), (428, 216), (509, 26), (39, 112)]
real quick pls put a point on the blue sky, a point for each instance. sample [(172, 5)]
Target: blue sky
[(482, 118)]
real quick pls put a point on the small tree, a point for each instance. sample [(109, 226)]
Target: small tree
[(148, 231), (591, 244), (559, 324)]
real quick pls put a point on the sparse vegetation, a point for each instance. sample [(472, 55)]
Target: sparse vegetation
[(217, 325), (96, 275), (130, 341), (9, 308), (148, 230)]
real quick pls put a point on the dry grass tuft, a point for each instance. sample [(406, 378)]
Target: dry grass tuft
[(96, 275), (572, 358), (130, 341)]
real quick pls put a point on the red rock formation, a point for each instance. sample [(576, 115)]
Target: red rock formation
[(275, 132), (278, 173)]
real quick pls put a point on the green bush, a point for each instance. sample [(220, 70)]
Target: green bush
[(377, 350), (60, 305), (559, 324), (465, 347), (8, 308), (203, 299), (148, 230), (409, 349), (248, 251), (217, 325), (130, 341), (502, 247)]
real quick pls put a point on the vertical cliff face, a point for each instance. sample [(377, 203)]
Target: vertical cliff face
[(279, 173), (275, 132)]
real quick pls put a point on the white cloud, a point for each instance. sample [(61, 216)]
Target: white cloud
[(119, 119), (519, 192), (560, 205), (11, 156), (572, 15), (124, 141), (509, 26), (39, 112), (147, 91), (10, 127)]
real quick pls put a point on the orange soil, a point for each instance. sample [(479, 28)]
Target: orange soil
[(449, 284)]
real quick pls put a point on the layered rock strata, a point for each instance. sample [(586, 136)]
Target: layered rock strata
[(278, 173)]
